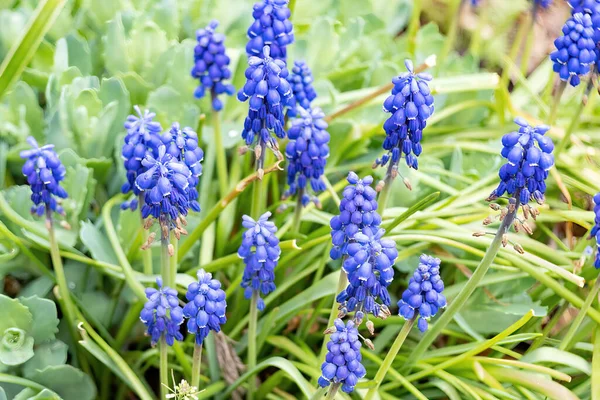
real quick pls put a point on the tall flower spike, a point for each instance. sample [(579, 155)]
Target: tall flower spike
[(211, 65), (260, 251), (301, 79), (206, 307), (268, 92), (529, 157), (595, 232), (162, 315), (182, 144), (576, 50), (410, 105), (343, 361), (358, 213), (44, 172), (370, 269), (307, 152), (423, 297), (271, 27), (142, 138)]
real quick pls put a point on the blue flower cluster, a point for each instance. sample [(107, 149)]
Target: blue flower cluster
[(271, 27), (527, 165), (543, 3), (576, 49), (301, 79), (358, 213), (142, 137), (206, 307), (595, 232), (162, 314), (211, 65), (44, 172), (343, 362), (370, 268), (423, 297), (410, 104), (268, 90), (307, 152), (182, 144), (260, 251)]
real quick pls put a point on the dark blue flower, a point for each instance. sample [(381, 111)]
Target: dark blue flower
[(165, 185), (307, 152), (576, 49), (182, 144), (206, 307), (410, 105), (44, 172), (370, 268), (271, 27), (260, 251), (162, 314), (142, 137), (529, 157), (358, 213), (343, 362), (301, 79), (423, 297), (268, 91), (211, 65), (543, 3), (595, 232)]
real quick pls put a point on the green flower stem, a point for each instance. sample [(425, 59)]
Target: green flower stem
[(173, 262), (333, 389), (557, 96), (252, 324), (466, 290), (25, 250), (342, 282), (453, 18), (197, 362), (567, 340), (146, 254), (528, 42), (413, 28), (221, 154), (298, 212), (389, 358), (514, 50), (165, 262), (548, 327), (257, 198), (3, 155), (384, 195), (164, 367), (596, 364), (15, 380)]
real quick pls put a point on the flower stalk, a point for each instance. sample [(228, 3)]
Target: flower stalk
[(196, 364), (252, 324)]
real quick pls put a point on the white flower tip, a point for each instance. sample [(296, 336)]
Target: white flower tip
[(431, 61)]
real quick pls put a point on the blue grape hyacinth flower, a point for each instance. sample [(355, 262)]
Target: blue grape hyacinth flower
[(301, 79), (268, 91), (358, 213), (206, 307), (529, 157), (142, 137), (211, 65), (410, 105), (542, 3), (595, 232), (44, 172), (162, 314), (182, 144), (307, 152), (260, 251), (423, 297), (271, 27), (576, 50), (370, 268), (343, 361)]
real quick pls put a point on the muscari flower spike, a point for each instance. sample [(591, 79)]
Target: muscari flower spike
[(268, 91), (182, 144), (211, 65), (307, 152), (44, 172), (410, 105), (206, 307), (142, 137), (595, 232), (529, 157), (271, 27), (301, 79), (162, 314), (343, 362), (370, 269), (260, 251), (576, 50), (423, 297), (358, 213)]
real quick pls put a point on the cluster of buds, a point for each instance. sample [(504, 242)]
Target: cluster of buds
[(178, 229), (258, 150), (393, 174)]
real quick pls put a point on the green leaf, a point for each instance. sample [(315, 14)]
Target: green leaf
[(97, 243), (116, 57), (16, 347), (79, 54), (30, 394), (147, 43), (24, 48), (556, 356), (45, 318), (68, 382), (14, 315), (167, 103), (48, 354), (2, 394)]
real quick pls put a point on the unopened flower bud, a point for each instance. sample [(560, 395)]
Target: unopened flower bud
[(369, 344), (494, 206), (171, 250), (519, 249), (479, 234), (407, 183), (370, 327), (487, 221)]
